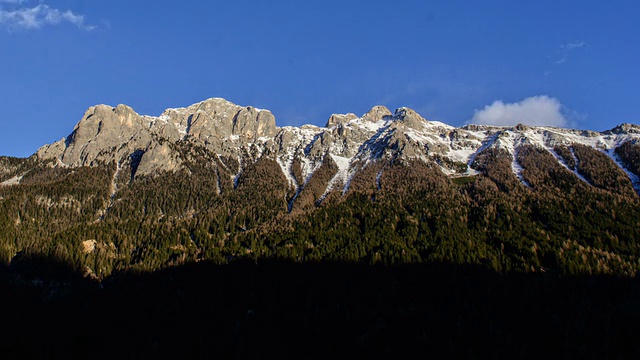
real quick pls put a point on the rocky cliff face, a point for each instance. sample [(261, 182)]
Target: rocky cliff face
[(242, 135), (106, 134)]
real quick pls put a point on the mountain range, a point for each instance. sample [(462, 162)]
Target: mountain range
[(246, 134), (216, 180)]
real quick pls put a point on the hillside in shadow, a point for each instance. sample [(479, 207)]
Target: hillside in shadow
[(315, 310)]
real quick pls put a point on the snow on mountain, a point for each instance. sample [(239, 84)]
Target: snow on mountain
[(107, 134), (13, 181), (635, 179)]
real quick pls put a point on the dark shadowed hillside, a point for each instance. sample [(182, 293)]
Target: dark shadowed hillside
[(318, 310)]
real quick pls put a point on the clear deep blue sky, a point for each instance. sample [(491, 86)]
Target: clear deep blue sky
[(304, 60)]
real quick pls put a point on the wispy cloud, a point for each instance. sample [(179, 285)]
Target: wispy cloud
[(565, 49), (23, 17), (535, 111)]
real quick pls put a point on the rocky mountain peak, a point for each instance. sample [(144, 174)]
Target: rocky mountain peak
[(377, 113), (625, 128), (112, 134), (253, 124), (410, 118), (215, 119), (336, 119)]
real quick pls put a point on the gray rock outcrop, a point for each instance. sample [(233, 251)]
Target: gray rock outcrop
[(107, 134)]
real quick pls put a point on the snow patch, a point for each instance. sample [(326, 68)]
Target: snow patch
[(343, 171), (564, 164), (378, 176), (13, 181), (486, 144), (370, 126), (236, 177), (635, 180), (461, 155), (438, 125), (575, 158), (308, 168), (517, 168), (286, 170)]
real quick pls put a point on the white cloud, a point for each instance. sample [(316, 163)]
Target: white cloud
[(535, 111), (29, 18), (573, 45), (565, 49)]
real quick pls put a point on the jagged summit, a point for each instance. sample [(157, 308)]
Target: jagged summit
[(245, 134), (377, 113), (624, 128)]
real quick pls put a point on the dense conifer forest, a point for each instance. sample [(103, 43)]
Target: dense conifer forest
[(407, 261), (396, 212)]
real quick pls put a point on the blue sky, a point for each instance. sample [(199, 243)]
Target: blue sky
[(566, 63)]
